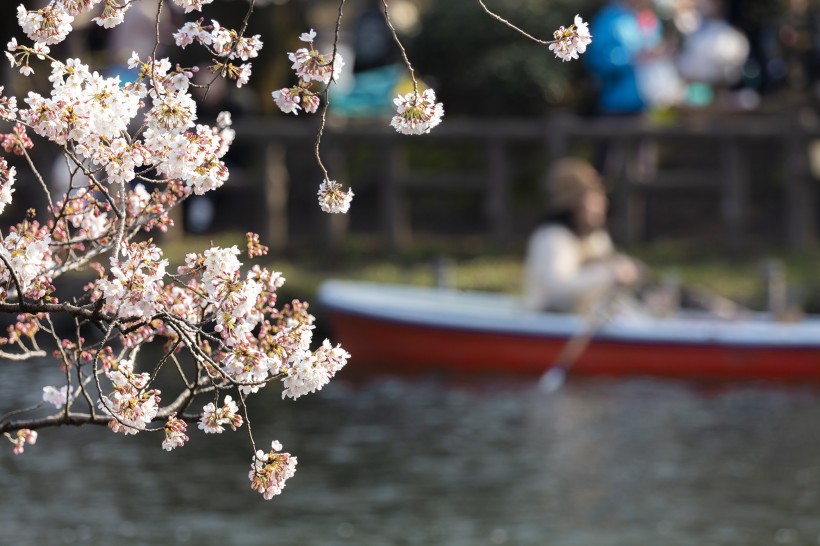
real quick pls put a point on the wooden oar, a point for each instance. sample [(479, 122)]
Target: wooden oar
[(556, 374)]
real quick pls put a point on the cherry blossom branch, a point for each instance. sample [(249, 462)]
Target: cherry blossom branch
[(75, 419), (80, 379), (189, 384), (16, 281), (509, 24), (24, 356), (221, 318), (326, 95), (401, 47), (66, 362), (20, 411), (86, 312), (183, 400), (247, 420), (224, 68), (163, 360), (39, 177)]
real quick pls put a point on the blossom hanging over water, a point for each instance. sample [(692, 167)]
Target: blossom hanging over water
[(131, 405), (214, 419), (313, 371), (417, 113), (174, 433), (270, 471), (572, 41), (25, 436)]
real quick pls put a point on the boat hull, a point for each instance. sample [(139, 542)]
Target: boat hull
[(377, 344), (413, 329)]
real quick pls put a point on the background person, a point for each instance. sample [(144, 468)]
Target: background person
[(571, 263), (627, 35)]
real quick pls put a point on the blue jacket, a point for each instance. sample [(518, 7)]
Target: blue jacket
[(619, 37)]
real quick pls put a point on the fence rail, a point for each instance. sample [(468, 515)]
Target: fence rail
[(787, 139)]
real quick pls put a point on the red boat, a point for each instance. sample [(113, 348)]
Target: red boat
[(412, 329)]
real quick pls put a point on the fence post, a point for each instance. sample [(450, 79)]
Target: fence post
[(276, 196), (734, 190), (395, 227), (497, 202), (800, 195)]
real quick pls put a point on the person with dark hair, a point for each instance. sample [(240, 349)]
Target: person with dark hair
[(571, 263)]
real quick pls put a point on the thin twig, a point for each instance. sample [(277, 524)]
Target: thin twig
[(512, 26), (12, 413), (80, 379), (156, 46), (221, 72), (39, 178), (401, 48), (23, 304), (66, 363), (323, 119), (247, 420)]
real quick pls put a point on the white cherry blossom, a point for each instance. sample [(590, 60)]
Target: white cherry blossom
[(192, 5), (571, 42), (56, 397), (270, 471), (417, 113), (332, 198)]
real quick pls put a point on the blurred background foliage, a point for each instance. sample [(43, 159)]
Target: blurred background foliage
[(487, 69), (480, 69)]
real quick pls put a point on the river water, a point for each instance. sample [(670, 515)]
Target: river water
[(406, 461)]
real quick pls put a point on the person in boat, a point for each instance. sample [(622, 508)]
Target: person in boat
[(571, 263)]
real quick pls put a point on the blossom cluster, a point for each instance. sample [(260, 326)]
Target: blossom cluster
[(270, 471), (313, 371), (571, 41), (332, 198), (417, 113), (24, 436), (17, 141), (8, 106), (135, 148), (49, 25), (25, 258), (257, 349), (310, 66), (136, 287), (131, 405), (175, 436), (192, 5), (57, 397), (226, 44), (214, 419), (7, 175)]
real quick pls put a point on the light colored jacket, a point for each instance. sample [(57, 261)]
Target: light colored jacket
[(565, 272)]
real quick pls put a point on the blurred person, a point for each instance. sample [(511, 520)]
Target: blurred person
[(634, 74), (629, 59), (571, 264), (713, 53)]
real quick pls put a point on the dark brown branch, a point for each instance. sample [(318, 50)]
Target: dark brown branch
[(73, 419)]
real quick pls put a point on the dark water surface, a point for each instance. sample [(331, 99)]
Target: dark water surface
[(431, 461)]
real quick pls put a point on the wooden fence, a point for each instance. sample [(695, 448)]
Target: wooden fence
[(788, 142)]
